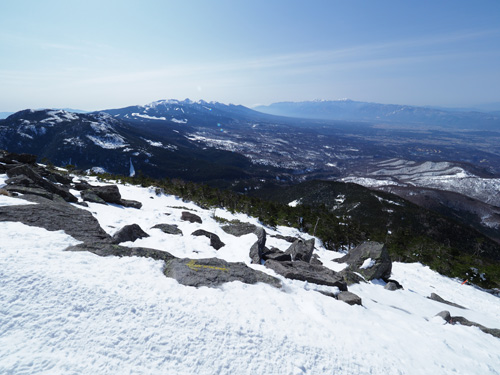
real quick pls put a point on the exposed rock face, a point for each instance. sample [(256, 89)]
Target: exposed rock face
[(213, 272), (349, 298), (106, 194), (130, 232), (192, 218), (300, 270), (215, 241), (370, 259), (52, 216), (392, 286), (168, 228), (239, 229), (34, 179), (301, 250)]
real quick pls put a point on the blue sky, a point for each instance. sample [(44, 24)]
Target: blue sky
[(107, 54)]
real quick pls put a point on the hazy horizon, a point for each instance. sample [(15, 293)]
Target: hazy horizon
[(95, 55)]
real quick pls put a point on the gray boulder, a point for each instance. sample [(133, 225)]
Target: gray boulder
[(370, 259), (130, 203), (168, 228), (215, 241), (301, 250), (392, 286), (192, 218), (349, 298), (300, 270), (130, 232), (239, 229), (465, 322), (213, 272), (108, 193)]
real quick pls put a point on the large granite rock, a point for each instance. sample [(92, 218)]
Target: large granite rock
[(108, 193), (213, 272), (215, 241), (301, 250), (130, 233), (300, 270), (370, 259)]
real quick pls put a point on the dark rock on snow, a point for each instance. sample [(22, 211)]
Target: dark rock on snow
[(108, 249), (392, 286), (437, 298), (465, 322), (53, 215), (215, 241), (377, 252), (192, 218), (130, 232), (239, 229), (349, 298), (130, 203), (213, 272), (168, 228), (300, 270)]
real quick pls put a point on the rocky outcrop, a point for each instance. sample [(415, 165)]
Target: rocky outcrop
[(106, 194), (28, 177), (192, 218), (215, 241), (168, 229), (130, 233), (213, 272), (301, 250), (300, 270), (370, 259), (90, 196)]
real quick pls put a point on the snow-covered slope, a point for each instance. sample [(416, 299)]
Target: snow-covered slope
[(63, 312), (437, 175)]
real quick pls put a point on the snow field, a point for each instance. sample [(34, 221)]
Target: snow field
[(72, 313)]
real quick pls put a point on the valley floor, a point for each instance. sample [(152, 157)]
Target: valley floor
[(73, 313)]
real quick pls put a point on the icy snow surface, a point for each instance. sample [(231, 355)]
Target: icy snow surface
[(78, 313)]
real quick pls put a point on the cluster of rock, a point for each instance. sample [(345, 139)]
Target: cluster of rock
[(53, 211), (52, 191), (299, 263)]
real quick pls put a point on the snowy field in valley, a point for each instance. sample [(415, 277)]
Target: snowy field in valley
[(78, 313)]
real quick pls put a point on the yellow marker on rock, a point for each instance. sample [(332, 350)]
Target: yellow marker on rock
[(195, 267)]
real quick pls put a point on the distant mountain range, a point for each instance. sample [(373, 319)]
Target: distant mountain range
[(349, 110)]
